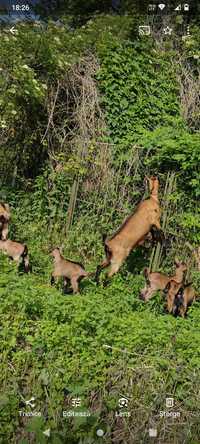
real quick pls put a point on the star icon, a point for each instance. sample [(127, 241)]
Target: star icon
[(167, 30)]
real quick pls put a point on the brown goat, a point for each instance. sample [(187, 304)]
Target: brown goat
[(132, 232), (17, 252), (4, 220), (72, 272), (158, 281), (179, 297)]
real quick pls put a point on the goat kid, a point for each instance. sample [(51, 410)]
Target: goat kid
[(72, 272), (179, 297), (158, 281), (17, 252), (132, 232), (4, 220)]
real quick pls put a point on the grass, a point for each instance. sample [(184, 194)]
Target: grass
[(100, 345)]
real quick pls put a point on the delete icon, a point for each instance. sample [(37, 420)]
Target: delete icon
[(169, 402)]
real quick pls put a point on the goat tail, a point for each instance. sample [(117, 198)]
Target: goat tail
[(25, 252), (104, 236), (26, 259), (107, 250), (27, 267)]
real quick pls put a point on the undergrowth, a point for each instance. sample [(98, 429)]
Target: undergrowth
[(99, 345)]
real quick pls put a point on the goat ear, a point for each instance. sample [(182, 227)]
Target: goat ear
[(146, 181), (61, 248), (176, 261)]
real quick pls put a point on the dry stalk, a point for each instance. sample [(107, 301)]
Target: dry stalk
[(189, 84)]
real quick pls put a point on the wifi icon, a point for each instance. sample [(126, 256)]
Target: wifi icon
[(161, 6)]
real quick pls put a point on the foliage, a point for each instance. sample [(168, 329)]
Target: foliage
[(56, 347), (139, 89), (87, 111)]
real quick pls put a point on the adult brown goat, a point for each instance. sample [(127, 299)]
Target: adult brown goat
[(4, 220), (132, 232), (71, 271), (179, 297), (158, 281), (17, 252)]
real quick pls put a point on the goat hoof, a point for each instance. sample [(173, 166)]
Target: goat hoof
[(67, 291), (105, 283)]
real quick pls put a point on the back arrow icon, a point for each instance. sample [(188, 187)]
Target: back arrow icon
[(13, 30)]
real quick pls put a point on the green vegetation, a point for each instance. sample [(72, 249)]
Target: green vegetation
[(86, 113), (97, 346)]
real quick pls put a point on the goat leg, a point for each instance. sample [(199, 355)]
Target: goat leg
[(4, 232), (106, 281), (52, 280), (74, 284), (66, 289), (157, 235), (99, 269)]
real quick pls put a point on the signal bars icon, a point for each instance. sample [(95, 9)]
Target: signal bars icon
[(152, 7)]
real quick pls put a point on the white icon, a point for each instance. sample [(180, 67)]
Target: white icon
[(153, 433), (188, 33), (151, 7), (100, 432), (13, 30), (76, 402), (144, 30), (169, 402), (178, 8), (47, 433), (186, 7), (30, 402), (167, 30), (162, 6), (123, 402)]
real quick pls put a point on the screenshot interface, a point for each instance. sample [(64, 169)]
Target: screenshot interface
[(99, 222)]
